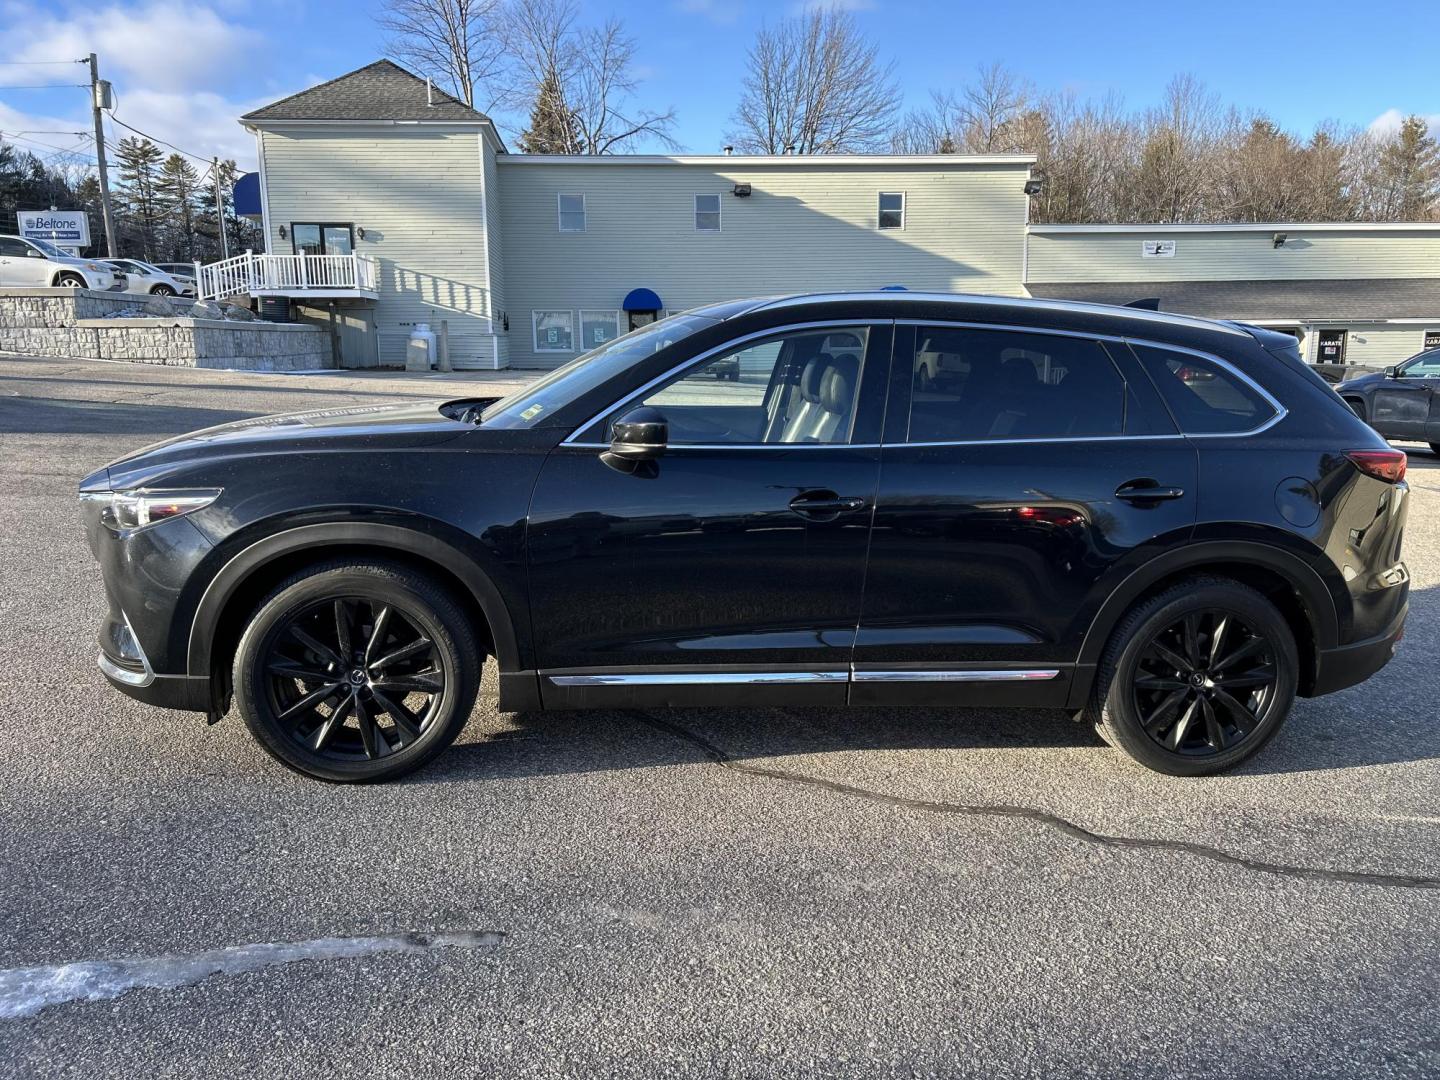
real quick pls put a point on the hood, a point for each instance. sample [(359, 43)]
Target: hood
[(362, 427), (1360, 381)]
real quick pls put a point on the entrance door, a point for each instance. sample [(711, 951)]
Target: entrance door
[(735, 563), (1020, 469), (1330, 347)]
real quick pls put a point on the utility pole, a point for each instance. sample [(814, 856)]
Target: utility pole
[(98, 97), (220, 210)]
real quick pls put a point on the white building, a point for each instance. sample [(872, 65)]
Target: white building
[(408, 209)]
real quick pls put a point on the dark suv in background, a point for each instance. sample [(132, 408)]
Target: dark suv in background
[(1403, 401), (1167, 526)]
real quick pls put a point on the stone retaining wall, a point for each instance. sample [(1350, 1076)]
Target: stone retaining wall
[(43, 308)]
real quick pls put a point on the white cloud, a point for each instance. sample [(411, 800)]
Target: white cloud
[(1388, 122)]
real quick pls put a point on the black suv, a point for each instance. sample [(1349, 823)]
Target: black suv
[(1165, 525), (1403, 402)]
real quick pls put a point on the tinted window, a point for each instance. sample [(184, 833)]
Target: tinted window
[(1205, 398), (995, 384), (14, 249), (1424, 366)]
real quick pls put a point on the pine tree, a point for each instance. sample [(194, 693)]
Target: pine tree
[(1408, 172), (139, 160), (551, 129), (176, 194)]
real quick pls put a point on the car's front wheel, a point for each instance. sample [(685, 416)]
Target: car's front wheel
[(162, 290), (1196, 679), (70, 280), (357, 671)]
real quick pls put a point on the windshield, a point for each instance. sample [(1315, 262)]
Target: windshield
[(540, 400), (48, 248)]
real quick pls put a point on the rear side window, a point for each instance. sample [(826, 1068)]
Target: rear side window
[(1205, 398), (997, 384)]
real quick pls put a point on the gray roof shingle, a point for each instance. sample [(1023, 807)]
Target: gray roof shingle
[(379, 91), (1309, 300)]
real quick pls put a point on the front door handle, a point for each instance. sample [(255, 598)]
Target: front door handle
[(825, 504), (1147, 490)]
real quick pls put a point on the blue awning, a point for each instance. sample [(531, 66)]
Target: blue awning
[(247, 195), (642, 300)]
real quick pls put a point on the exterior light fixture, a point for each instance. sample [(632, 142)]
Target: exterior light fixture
[(741, 191), (1034, 187), (283, 233), (1278, 240), (360, 232)]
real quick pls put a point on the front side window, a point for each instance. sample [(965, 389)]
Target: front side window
[(797, 387), (1204, 397), (1424, 366), (974, 385), (892, 210), (554, 331), (707, 213), (572, 213), (598, 327), (46, 249)]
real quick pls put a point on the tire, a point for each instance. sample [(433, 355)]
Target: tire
[(70, 280), (413, 671), (1435, 448), (1195, 725), (162, 290)]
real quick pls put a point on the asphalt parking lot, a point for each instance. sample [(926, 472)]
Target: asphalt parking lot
[(784, 893)]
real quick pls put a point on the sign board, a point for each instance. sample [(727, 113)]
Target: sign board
[(1157, 249), (1432, 339), (67, 229)]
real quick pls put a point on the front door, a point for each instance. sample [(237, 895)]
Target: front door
[(1402, 405), (1020, 468), (22, 266), (732, 567)]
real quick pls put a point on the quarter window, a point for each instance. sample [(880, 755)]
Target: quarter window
[(797, 387), (892, 210), (1205, 398), (554, 331), (572, 213), (598, 327), (992, 384), (707, 213)]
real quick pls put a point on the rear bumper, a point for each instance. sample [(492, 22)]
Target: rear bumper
[(1351, 664)]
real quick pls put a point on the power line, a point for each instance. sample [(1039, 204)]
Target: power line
[(50, 86), (36, 63), (162, 142)]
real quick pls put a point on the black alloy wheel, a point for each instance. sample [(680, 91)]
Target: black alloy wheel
[(357, 671), (1202, 683), (1196, 679)]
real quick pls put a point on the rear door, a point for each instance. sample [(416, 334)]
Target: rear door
[(1019, 469)]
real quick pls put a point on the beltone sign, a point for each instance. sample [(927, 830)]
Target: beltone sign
[(64, 228)]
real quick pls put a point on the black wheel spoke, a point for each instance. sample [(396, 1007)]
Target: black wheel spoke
[(1250, 648), (321, 736), (1182, 726), (401, 654), (407, 724), (1172, 658), (1214, 733), (316, 646), (370, 736), (1217, 640), (377, 634), (1192, 640), (342, 630), (427, 682), (1244, 719), (1156, 722), (1160, 682), (291, 669), (307, 703), (1255, 677)]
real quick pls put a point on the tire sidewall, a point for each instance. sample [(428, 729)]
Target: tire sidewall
[(455, 645), (1120, 716)]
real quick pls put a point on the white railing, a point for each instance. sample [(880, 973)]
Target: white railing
[(285, 275)]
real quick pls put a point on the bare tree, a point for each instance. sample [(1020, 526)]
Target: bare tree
[(814, 84), (455, 41), (578, 83)]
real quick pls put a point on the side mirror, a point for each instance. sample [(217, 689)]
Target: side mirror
[(639, 436), (1393, 371)]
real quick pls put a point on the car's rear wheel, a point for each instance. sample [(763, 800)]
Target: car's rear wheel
[(1435, 448), (70, 280), (1196, 679), (357, 671), (162, 290)]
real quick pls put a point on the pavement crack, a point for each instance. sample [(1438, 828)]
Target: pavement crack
[(1043, 817), (25, 991)]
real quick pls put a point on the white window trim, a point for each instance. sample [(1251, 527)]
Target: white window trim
[(560, 212), (620, 320), (535, 329), (719, 212), (904, 208)]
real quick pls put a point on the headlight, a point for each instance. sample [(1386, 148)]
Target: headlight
[(124, 511), (92, 266)]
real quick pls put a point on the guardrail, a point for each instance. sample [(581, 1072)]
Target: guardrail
[(289, 275)]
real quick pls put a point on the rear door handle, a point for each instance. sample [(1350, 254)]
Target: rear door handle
[(1147, 491), (825, 504)]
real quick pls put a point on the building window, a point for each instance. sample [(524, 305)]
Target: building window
[(598, 327), (892, 210), (707, 213), (572, 213), (312, 238), (554, 331)]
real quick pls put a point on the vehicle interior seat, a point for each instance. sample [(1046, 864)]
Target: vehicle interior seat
[(837, 396), (806, 412)]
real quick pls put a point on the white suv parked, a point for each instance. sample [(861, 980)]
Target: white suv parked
[(148, 279), (27, 264)]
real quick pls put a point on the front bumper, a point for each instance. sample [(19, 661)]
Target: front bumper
[(123, 662), (1351, 664)]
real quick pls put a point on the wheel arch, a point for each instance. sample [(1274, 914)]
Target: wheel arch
[(1295, 588), (241, 583)]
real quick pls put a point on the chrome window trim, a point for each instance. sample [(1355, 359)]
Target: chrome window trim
[(700, 678), (720, 350), (958, 675), (1280, 411)]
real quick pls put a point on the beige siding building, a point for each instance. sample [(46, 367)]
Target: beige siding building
[(530, 260)]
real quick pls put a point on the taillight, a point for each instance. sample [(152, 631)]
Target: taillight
[(1387, 465)]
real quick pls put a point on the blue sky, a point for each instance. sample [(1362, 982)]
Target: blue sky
[(184, 72)]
